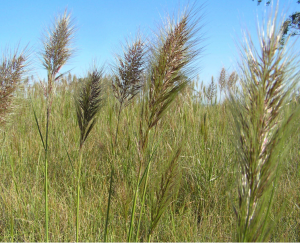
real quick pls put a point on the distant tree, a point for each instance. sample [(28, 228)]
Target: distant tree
[(259, 2), (269, 1), (291, 25)]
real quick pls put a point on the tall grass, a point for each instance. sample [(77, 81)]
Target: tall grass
[(263, 127), (56, 51), (166, 165), (13, 66), (170, 62), (88, 102), (201, 210)]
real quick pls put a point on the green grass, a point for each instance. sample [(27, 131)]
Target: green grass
[(202, 210), (167, 165)]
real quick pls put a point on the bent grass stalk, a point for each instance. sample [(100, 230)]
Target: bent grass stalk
[(45, 146), (138, 184), (169, 66), (167, 189), (143, 200), (134, 206)]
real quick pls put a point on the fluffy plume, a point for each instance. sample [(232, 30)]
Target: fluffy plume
[(128, 73), (268, 75), (171, 63), (88, 103), (57, 44), (12, 68)]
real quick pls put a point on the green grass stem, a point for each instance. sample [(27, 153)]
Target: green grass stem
[(134, 206), (108, 205), (78, 195)]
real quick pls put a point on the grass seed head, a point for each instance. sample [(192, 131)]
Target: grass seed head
[(171, 63), (88, 102), (13, 66), (268, 76), (222, 79), (128, 72), (58, 48)]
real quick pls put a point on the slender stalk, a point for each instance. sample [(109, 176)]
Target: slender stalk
[(134, 205), (108, 205), (117, 129), (173, 224), (78, 194), (46, 180), (11, 208), (143, 202), (46, 198), (57, 50), (145, 175), (88, 102), (11, 224)]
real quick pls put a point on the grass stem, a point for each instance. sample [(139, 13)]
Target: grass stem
[(108, 205), (78, 195)]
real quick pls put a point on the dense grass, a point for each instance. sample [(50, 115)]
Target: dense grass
[(144, 155), (202, 210)]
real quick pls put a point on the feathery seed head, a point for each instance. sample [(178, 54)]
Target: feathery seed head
[(170, 65), (222, 79), (128, 73), (88, 103), (211, 91), (232, 80), (268, 75), (12, 68), (57, 45), (171, 62)]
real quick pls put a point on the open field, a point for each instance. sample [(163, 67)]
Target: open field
[(144, 154), (202, 210)]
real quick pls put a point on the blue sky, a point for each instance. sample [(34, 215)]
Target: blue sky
[(103, 25)]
